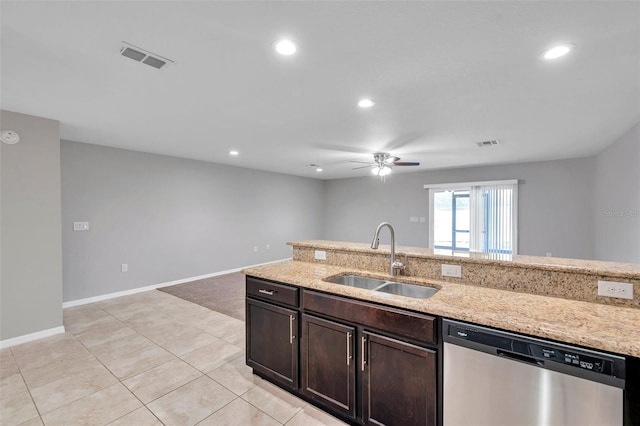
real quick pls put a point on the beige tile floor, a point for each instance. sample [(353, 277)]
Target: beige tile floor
[(146, 359)]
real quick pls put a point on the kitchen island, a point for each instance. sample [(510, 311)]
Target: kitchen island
[(532, 296)]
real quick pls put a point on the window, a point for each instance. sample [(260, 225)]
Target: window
[(474, 216)]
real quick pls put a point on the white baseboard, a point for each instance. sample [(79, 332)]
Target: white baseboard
[(155, 286), (7, 343)]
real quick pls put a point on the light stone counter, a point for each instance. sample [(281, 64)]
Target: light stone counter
[(594, 325), (593, 267)]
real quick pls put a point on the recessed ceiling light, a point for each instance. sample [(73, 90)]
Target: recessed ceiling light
[(285, 47), (558, 51), (233, 153), (318, 169), (366, 103)]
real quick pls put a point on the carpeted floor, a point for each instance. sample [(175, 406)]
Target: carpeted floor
[(225, 293)]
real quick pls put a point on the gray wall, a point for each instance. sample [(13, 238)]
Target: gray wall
[(31, 261), (171, 218), (555, 201), (617, 194)]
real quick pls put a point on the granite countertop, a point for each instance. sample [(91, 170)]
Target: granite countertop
[(594, 267), (597, 326)]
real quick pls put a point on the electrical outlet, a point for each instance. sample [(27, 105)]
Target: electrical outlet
[(615, 289), (451, 271), (255, 248), (320, 255), (268, 247), (124, 267)]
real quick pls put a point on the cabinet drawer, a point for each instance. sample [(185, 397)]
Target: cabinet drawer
[(409, 325), (273, 292)]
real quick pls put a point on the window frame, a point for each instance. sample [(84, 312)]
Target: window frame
[(468, 186)]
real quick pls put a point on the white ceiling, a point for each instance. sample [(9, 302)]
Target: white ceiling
[(444, 75)]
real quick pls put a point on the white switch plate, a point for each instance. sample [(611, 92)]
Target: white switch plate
[(124, 267), (615, 289), (414, 219), (321, 255), (451, 271), (80, 226)]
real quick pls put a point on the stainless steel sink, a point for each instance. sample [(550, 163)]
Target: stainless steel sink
[(408, 290), (357, 281), (390, 287)]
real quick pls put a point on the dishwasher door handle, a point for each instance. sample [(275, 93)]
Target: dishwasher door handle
[(519, 357)]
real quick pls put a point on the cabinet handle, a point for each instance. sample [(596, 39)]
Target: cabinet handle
[(348, 348), (364, 343), (265, 291), (291, 336)]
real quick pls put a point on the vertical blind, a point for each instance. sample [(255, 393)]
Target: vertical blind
[(493, 218)]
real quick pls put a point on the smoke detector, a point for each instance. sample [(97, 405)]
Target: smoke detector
[(10, 137), (144, 56), (485, 144)]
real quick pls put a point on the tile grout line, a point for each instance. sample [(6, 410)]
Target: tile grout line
[(154, 306), (33, 401), (282, 423), (116, 377), (112, 373)]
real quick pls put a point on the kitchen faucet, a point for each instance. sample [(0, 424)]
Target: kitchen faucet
[(376, 241)]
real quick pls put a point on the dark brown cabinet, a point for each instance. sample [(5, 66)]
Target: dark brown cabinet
[(363, 362), (398, 382), (272, 345), (328, 364)]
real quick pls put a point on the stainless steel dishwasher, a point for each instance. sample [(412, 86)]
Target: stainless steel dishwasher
[(498, 378)]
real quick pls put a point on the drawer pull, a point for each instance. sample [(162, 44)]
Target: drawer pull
[(364, 343), (348, 348), (291, 336), (265, 291)]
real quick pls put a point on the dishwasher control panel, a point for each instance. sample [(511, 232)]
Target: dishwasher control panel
[(571, 358), (555, 356)]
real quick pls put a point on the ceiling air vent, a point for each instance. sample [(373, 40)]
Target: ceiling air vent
[(484, 144), (144, 56)]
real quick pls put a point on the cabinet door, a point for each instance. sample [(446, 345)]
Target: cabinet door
[(328, 364), (399, 382), (272, 346)]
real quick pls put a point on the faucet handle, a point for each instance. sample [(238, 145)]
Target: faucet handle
[(398, 265)]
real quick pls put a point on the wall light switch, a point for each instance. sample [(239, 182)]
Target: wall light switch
[(124, 267), (414, 219), (80, 226), (320, 255), (452, 271)]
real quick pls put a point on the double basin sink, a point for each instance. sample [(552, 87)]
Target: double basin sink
[(390, 287)]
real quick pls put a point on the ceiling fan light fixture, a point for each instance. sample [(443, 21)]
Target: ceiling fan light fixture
[(381, 170)]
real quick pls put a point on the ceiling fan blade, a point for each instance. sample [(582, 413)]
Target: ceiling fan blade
[(405, 163), (402, 141), (363, 167), (361, 162), (391, 160), (344, 148)]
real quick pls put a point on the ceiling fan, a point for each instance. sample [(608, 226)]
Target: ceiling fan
[(382, 164)]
